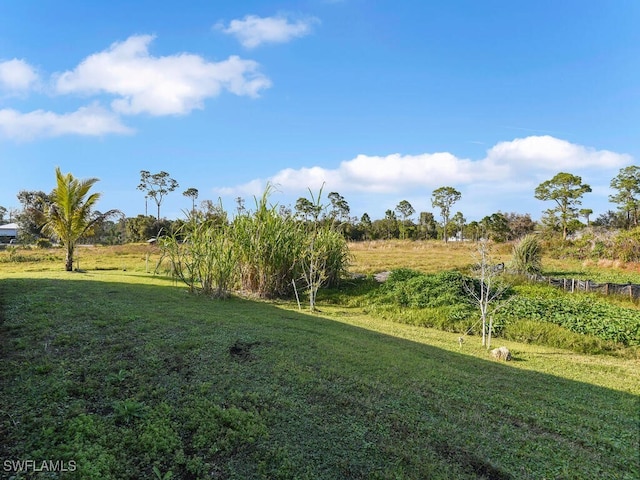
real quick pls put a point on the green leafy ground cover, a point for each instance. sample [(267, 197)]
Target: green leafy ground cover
[(131, 377), (585, 322), (582, 313)]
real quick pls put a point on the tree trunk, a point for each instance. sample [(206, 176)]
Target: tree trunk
[(489, 334), (69, 260)]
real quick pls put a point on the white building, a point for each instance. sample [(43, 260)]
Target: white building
[(8, 232)]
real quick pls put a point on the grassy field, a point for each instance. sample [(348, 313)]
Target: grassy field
[(434, 256), (123, 375)]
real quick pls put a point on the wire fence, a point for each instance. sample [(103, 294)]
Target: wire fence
[(631, 290)]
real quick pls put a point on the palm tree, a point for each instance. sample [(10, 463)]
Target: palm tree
[(69, 215)]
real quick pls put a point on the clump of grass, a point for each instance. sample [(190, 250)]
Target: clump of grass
[(267, 247), (201, 254), (261, 253), (527, 256)]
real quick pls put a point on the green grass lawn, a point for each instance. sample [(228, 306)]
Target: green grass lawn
[(127, 376)]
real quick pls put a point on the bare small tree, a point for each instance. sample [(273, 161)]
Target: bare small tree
[(325, 248), (486, 288)]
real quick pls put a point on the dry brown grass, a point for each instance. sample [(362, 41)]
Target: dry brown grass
[(427, 256), (433, 256)]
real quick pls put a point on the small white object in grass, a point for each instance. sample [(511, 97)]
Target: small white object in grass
[(501, 353)]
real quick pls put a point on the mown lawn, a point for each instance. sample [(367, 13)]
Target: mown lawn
[(129, 377)]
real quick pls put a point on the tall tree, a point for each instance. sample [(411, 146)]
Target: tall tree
[(627, 183), (69, 216), (191, 193), (213, 213), (13, 214), (157, 186), (586, 213), (611, 220), (519, 225), (566, 190), (405, 209), (365, 224), (307, 210), (3, 212), (339, 207), (32, 216), (390, 223), (443, 198), (141, 228), (496, 227), (459, 221), (427, 225), (475, 228)]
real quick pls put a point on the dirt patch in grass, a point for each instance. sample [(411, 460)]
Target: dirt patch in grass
[(242, 351)]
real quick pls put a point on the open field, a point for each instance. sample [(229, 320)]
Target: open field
[(122, 372), (433, 256), (368, 257)]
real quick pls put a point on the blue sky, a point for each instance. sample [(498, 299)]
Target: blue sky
[(382, 101)]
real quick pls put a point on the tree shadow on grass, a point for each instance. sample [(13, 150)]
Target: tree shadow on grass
[(291, 395)]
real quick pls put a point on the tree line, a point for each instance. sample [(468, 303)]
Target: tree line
[(564, 192)]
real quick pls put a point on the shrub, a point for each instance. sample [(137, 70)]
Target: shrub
[(527, 256), (581, 313), (626, 246), (43, 243), (430, 300)]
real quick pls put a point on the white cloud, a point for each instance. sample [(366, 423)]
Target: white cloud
[(553, 154), (253, 31), (254, 188), (90, 121), (174, 84), (508, 165), (17, 76)]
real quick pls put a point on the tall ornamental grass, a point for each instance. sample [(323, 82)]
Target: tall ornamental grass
[(527, 256), (201, 254), (267, 246), (261, 253), (337, 255)]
